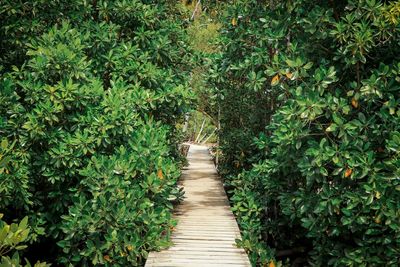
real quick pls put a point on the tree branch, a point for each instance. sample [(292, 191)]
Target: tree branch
[(195, 10)]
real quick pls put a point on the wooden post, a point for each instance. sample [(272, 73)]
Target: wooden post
[(186, 123), (219, 128)]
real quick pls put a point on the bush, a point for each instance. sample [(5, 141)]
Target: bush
[(12, 237), (24, 21), (122, 209), (324, 184), (89, 150)]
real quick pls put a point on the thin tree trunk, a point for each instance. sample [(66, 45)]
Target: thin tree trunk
[(202, 138), (205, 141), (195, 10), (201, 130)]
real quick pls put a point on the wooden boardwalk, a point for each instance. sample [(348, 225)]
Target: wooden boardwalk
[(206, 230)]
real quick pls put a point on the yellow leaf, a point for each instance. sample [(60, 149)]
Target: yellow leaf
[(289, 75), (234, 22), (107, 258), (275, 80), (348, 173), (160, 174), (377, 219), (337, 211), (378, 195), (354, 103), (129, 247), (271, 264)]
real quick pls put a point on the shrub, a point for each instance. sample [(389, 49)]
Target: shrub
[(121, 207), (101, 88), (24, 21), (12, 237), (324, 184)]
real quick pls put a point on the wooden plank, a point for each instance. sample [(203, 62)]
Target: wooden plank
[(213, 232), (189, 261), (200, 257), (206, 230), (210, 228), (193, 264), (202, 249)]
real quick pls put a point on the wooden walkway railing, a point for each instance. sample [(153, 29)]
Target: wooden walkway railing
[(206, 230)]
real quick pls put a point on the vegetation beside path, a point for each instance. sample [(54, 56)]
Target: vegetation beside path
[(309, 94), (91, 92), (302, 97)]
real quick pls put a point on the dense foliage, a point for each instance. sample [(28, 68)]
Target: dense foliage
[(12, 238), (310, 94), (90, 96), (307, 95)]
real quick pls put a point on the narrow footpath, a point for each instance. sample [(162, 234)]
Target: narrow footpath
[(206, 230)]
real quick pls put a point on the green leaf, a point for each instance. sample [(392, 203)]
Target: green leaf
[(333, 127)]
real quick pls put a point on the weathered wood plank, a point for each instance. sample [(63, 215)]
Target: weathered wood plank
[(206, 230)]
